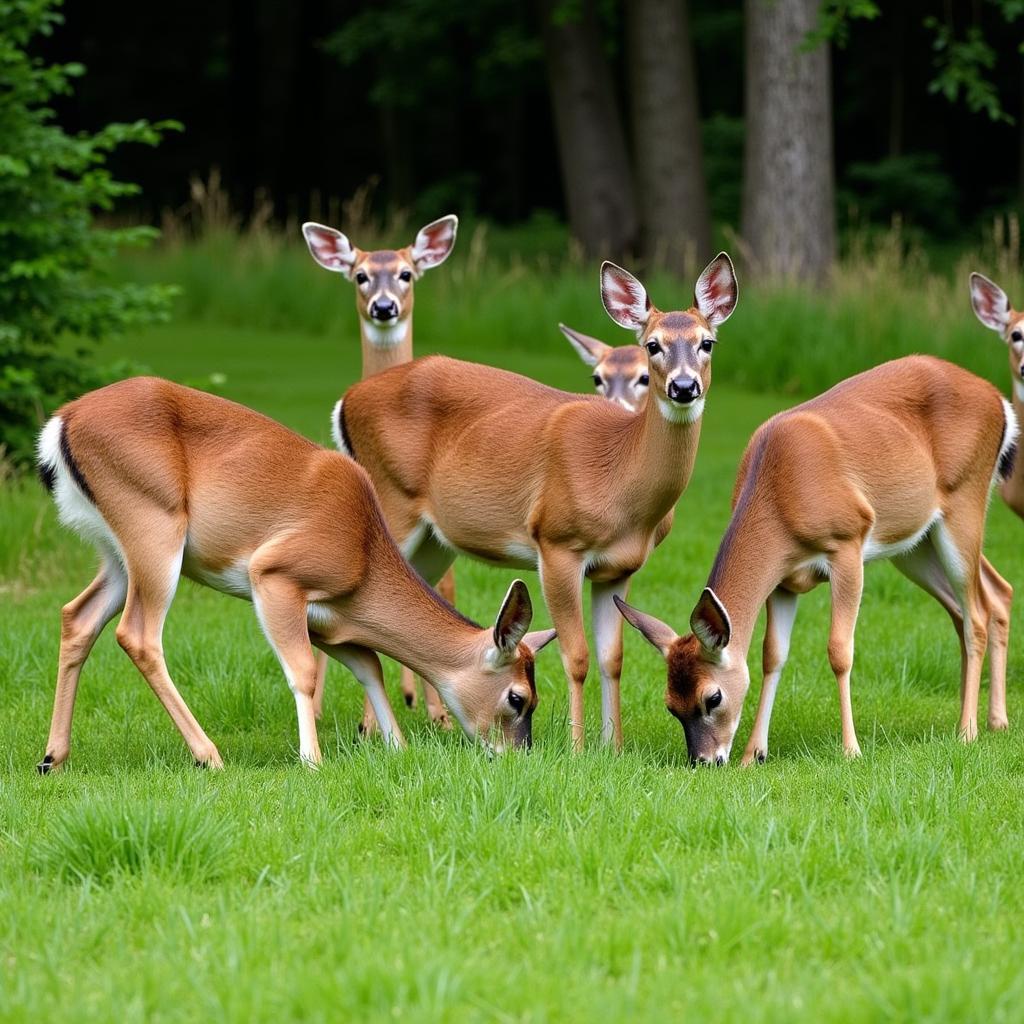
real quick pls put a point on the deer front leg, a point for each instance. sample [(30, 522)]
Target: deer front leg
[(999, 599), (561, 577), (781, 614), (847, 578), (607, 623)]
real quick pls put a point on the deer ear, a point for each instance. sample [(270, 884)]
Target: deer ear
[(539, 639), (624, 297), (716, 291), (991, 306), (513, 620), (590, 350), (710, 623), (434, 243), (330, 248), (655, 632)]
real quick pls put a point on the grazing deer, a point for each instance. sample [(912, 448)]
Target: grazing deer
[(472, 459), (993, 309), (896, 463), (167, 481), (620, 374), (384, 281)]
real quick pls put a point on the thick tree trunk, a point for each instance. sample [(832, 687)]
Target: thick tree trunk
[(788, 186), (672, 196), (591, 142)]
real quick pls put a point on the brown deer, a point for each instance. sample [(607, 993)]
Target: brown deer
[(168, 482), (993, 309), (384, 280), (620, 373), (477, 460), (896, 463)]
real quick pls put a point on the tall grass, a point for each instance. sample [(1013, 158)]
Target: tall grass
[(884, 300)]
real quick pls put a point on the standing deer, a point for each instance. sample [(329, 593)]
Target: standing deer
[(993, 309), (620, 373), (167, 481), (384, 282), (896, 463), (476, 460)]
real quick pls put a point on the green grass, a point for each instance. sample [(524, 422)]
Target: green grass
[(437, 885)]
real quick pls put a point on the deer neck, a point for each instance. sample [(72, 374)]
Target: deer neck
[(752, 561), (404, 619), (384, 347), (1017, 396), (658, 454)]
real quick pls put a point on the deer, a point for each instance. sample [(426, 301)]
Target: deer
[(620, 372), (993, 309), (384, 281), (897, 462), (167, 482), (479, 461)]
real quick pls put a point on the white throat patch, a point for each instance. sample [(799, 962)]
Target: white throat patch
[(676, 413), (385, 337)]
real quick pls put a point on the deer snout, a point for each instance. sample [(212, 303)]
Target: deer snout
[(684, 389), (383, 309)]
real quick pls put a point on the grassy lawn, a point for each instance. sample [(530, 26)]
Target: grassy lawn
[(437, 885)]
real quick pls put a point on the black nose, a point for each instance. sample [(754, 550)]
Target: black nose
[(684, 389), (386, 310)]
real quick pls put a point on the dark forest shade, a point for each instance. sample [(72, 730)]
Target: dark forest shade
[(456, 112)]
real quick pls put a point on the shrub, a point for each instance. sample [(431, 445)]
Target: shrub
[(55, 299)]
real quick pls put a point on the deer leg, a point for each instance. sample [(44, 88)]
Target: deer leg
[(82, 621), (847, 579), (561, 577), (607, 623), (781, 614), (281, 609), (154, 565), (999, 598), (957, 542), (365, 666), (318, 686)]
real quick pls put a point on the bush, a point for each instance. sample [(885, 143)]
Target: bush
[(55, 300)]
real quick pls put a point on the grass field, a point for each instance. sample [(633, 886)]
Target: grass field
[(437, 885)]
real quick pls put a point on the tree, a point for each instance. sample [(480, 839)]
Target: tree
[(52, 253), (591, 141), (667, 150), (788, 220)]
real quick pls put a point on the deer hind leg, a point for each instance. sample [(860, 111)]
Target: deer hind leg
[(607, 624), (847, 579), (998, 596), (365, 666), (153, 562), (319, 683), (561, 577), (957, 541), (781, 614), (82, 621)]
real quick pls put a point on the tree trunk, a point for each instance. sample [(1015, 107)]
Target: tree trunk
[(591, 142), (788, 186), (675, 226)]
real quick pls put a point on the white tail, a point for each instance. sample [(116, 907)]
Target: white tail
[(473, 459), (894, 463), (167, 481)]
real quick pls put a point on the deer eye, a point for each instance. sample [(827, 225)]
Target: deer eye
[(1017, 336), (643, 380), (597, 380), (361, 278), (653, 348), (405, 275), (707, 345), (712, 702), (516, 701)]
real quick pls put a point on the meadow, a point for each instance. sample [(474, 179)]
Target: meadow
[(435, 884)]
